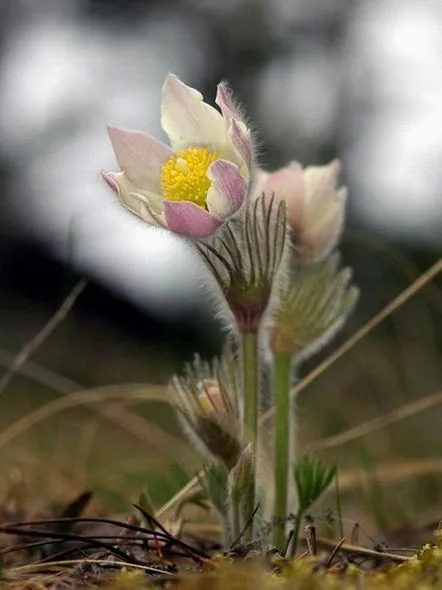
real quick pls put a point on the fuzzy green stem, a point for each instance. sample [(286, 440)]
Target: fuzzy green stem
[(250, 386), (236, 519), (250, 377), (282, 368)]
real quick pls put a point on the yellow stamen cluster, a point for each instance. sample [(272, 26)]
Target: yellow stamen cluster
[(184, 175)]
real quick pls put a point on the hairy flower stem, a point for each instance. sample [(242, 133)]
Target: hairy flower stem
[(250, 377), (251, 385), (282, 368), (236, 520)]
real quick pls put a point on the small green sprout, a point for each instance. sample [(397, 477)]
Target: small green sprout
[(312, 478)]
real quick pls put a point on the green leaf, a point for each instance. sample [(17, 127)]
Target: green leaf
[(312, 478)]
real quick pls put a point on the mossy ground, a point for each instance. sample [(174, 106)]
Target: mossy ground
[(62, 550), (421, 571)]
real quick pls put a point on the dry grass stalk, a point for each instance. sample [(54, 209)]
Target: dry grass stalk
[(30, 347)]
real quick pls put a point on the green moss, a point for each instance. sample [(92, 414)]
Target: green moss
[(422, 572)]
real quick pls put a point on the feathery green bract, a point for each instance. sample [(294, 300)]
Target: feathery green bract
[(314, 308), (245, 257)]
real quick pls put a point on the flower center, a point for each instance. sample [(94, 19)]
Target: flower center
[(184, 175)]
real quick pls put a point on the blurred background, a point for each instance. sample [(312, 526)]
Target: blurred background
[(361, 80)]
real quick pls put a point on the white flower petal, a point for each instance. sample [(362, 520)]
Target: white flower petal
[(187, 120), (320, 240), (322, 227), (125, 190), (319, 185), (142, 207)]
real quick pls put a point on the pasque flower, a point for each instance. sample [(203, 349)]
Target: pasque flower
[(315, 206), (202, 178), (208, 406)]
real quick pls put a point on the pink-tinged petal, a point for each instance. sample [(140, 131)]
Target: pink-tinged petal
[(139, 156), (188, 120), (226, 103), (242, 141), (228, 189), (189, 220), (119, 183), (238, 132), (286, 184), (109, 178)]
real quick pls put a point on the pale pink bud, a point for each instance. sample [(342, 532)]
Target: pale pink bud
[(315, 206), (207, 402)]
